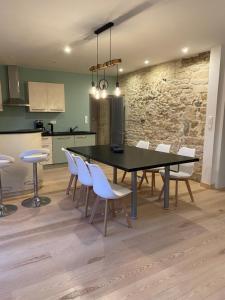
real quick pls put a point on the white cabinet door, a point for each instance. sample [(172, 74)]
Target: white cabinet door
[(37, 96), (47, 144), (56, 97), (84, 140), (1, 108)]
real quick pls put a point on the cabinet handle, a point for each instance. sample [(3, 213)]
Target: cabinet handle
[(37, 109), (55, 109), (63, 138)]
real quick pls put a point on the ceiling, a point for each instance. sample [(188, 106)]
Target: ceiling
[(33, 33)]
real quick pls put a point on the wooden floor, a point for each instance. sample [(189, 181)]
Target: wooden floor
[(53, 253)]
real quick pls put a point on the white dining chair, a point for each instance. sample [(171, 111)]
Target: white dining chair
[(72, 167), (85, 178), (106, 191), (184, 172), (143, 145), (161, 148)]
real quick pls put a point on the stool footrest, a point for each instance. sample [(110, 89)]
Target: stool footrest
[(7, 209), (36, 202)]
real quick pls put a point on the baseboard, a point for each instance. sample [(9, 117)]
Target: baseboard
[(208, 186)]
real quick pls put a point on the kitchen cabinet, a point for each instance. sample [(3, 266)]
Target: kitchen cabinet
[(1, 108), (38, 96), (56, 97), (58, 143), (46, 97), (84, 140), (47, 144)]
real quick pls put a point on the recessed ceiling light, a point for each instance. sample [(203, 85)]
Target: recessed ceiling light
[(146, 62), (121, 70), (185, 50), (67, 49)]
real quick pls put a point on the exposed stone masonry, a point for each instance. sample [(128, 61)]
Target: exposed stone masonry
[(167, 103)]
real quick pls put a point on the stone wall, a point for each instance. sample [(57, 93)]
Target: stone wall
[(167, 103)]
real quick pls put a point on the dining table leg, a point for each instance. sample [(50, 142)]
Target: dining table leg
[(166, 187), (114, 175), (134, 195)]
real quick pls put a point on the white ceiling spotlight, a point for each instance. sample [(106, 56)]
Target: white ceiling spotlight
[(185, 50), (67, 49), (120, 70), (146, 62)]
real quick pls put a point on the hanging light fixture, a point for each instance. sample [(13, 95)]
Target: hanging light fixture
[(93, 88), (100, 89), (117, 89)]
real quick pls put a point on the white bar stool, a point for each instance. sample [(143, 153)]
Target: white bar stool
[(5, 209), (35, 156)]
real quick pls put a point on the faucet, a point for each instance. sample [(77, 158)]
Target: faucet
[(72, 129), (52, 127)]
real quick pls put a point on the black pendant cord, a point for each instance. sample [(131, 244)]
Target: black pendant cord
[(110, 45), (97, 62), (117, 75)]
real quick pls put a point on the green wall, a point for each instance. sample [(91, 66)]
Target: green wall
[(76, 96)]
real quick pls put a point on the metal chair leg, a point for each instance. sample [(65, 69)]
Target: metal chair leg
[(86, 201)]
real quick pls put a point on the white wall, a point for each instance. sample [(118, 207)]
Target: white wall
[(213, 171)]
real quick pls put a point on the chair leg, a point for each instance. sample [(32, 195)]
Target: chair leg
[(160, 195), (153, 183), (189, 190), (142, 179), (86, 201), (94, 210), (113, 209), (75, 187), (176, 192), (145, 176), (69, 184), (81, 194), (106, 217), (129, 224), (124, 175)]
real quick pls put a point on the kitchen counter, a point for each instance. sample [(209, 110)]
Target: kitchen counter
[(18, 178), (60, 133), (20, 131)]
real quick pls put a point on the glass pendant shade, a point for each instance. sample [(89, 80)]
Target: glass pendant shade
[(93, 89), (97, 94), (117, 90)]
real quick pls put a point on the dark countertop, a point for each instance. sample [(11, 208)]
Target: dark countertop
[(60, 133), (19, 131)]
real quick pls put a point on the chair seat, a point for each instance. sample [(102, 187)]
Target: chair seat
[(33, 158), (119, 190), (4, 162), (176, 175)]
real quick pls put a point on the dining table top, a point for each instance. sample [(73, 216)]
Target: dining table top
[(132, 158)]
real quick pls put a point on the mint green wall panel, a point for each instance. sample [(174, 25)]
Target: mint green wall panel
[(76, 97)]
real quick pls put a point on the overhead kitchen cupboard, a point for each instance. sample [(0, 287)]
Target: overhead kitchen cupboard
[(1, 108), (46, 97)]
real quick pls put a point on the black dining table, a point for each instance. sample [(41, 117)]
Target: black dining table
[(134, 159)]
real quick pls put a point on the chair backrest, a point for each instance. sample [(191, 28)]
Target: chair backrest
[(163, 148), (71, 162), (143, 144), (34, 152), (101, 186), (189, 167), (84, 175), (5, 160)]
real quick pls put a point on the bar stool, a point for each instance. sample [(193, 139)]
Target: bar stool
[(35, 156), (5, 209)]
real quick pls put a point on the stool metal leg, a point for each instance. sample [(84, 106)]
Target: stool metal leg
[(36, 201), (5, 209)]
